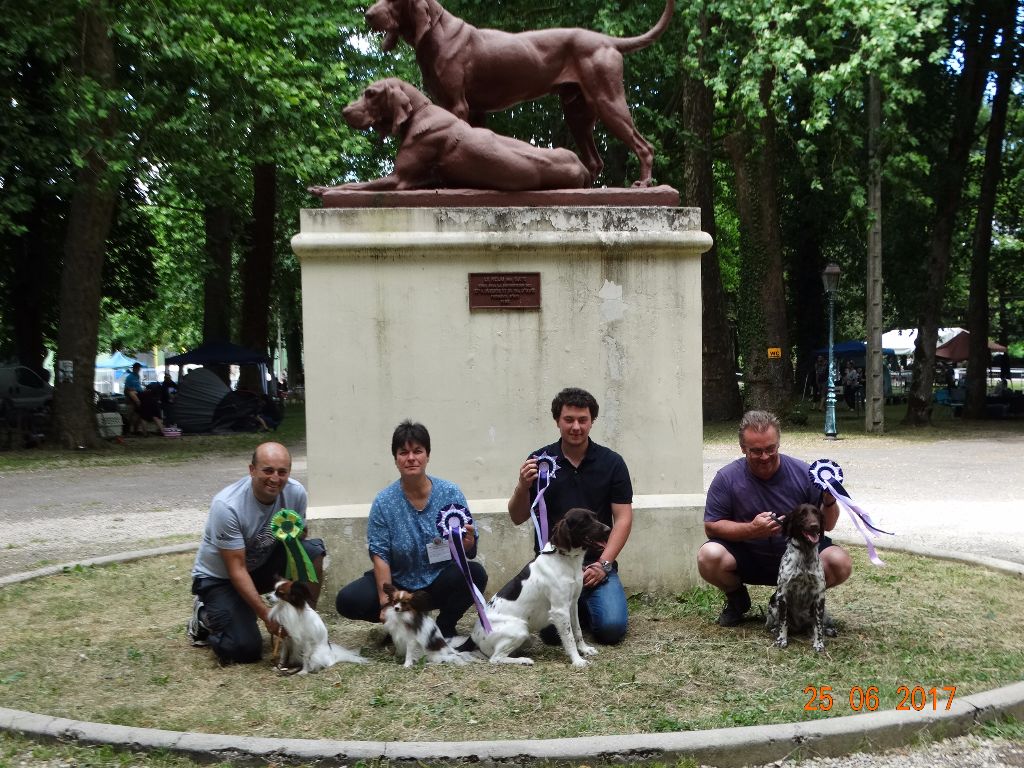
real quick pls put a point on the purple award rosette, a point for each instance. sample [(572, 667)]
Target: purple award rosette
[(828, 476), (451, 521), (547, 468)]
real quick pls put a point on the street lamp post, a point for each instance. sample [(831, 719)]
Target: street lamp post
[(830, 279)]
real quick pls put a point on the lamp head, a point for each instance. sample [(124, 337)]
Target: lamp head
[(830, 278)]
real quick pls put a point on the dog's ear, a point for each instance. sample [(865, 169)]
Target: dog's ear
[(399, 106), (424, 15), (421, 602), (300, 594), (561, 536), (787, 522), (389, 590)]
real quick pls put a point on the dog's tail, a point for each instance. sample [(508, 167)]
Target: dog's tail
[(630, 44)]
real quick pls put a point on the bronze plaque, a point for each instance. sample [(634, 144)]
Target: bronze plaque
[(504, 290)]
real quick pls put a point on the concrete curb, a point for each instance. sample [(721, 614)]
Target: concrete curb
[(723, 747)]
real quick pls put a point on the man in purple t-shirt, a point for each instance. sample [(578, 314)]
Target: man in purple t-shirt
[(745, 543)]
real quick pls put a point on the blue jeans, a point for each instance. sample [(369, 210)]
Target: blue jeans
[(602, 610)]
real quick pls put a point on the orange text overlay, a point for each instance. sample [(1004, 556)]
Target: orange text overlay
[(821, 698)]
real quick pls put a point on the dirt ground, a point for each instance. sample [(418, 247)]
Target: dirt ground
[(963, 495)]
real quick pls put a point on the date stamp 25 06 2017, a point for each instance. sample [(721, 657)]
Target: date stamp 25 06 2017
[(865, 699)]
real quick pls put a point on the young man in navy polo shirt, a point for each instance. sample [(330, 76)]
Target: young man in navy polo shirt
[(596, 478)]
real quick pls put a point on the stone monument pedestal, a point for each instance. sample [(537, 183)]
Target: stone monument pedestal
[(470, 319)]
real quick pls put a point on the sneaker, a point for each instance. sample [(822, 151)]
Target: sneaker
[(737, 603), (197, 631)]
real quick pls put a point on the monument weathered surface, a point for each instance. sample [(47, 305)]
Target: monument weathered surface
[(469, 320)]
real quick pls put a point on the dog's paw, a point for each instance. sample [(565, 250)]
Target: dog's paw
[(586, 650), (781, 642), (819, 647), (580, 663)]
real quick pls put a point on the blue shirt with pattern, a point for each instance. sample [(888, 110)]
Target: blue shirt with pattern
[(398, 533)]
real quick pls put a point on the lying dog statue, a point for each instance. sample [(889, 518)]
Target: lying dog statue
[(473, 71), (438, 150)]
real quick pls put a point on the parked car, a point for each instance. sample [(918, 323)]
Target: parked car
[(22, 389)]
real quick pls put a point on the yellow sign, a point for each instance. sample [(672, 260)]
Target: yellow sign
[(774, 353)]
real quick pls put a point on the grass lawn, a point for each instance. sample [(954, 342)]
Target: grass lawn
[(154, 448), (127, 661)]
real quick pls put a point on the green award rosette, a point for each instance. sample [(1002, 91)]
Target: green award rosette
[(286, 527)]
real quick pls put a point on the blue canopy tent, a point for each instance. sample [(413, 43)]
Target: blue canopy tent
[(219, 352), (223, 353), (851, 349), (201, 394), (117, 360)]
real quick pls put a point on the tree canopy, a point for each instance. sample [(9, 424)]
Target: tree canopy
[(155, 155)]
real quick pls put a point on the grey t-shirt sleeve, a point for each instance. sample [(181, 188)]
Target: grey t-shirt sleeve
[(225, 531)]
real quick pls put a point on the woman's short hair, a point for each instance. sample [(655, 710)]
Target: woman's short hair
[(409, 432)]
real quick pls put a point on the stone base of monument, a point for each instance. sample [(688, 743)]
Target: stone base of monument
[(661, 555), (468, 312)]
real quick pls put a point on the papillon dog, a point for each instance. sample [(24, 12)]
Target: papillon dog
[(414, 632), (306, 647)]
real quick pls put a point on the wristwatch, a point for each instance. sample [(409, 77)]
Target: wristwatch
[(606, 565)]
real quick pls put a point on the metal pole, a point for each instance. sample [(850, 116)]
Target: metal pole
[(830, 401)]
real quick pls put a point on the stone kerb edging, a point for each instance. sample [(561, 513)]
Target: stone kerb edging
[(724, 747)]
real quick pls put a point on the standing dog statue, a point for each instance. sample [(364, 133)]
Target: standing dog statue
[(545, 592), (437, 149), (472, 71), (798, 603)]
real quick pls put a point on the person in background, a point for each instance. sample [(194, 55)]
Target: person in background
[(133, 396)]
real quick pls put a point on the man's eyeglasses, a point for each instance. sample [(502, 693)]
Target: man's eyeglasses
[(763, 453), (270, 472)]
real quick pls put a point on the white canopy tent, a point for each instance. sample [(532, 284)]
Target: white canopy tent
[(901, 340)]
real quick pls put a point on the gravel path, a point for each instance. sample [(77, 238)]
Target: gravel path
[(963, 495)]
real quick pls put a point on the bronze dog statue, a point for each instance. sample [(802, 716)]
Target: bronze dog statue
[(471, 71), (437, 149)]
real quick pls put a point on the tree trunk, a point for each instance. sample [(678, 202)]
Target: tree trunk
[(32, 284), (947, 197), (89, 222), (977, 309), (258, 269), (720, 391), (218, 224), (804, 278), (874, 412), (768, 369)]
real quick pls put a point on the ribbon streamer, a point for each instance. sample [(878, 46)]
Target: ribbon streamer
[(286, 526), (450, 522), (547, 468), (828, 476)]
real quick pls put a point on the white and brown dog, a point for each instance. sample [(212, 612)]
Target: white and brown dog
[(545, 592), (438, 150), (306, 648), (414, 632)]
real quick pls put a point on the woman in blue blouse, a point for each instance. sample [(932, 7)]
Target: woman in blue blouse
[(403, 540)]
